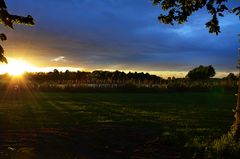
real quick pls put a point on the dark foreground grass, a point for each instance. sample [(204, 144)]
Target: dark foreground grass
[(109, 125)]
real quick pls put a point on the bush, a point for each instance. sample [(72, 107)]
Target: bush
[(224, 148)]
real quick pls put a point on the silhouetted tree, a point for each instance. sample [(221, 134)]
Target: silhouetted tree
[(179, 11), (230, 76), (201, 73), (56, 74), (8, 20)]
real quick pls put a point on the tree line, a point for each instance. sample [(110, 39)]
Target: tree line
[(201, 73), (99, 76), (96, 77), (199, 78)]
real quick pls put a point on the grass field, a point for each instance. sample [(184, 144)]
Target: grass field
[(109, 125)]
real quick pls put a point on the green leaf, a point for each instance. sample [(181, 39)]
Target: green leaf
[(3, 37)]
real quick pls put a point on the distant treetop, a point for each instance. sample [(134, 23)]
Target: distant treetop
[(201, 73)]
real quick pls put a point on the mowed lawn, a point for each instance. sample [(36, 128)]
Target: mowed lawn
[(109, 125)]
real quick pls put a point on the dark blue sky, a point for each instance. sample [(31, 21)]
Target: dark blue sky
[(118, 34)]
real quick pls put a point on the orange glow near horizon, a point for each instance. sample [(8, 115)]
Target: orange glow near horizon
[(16, 67)]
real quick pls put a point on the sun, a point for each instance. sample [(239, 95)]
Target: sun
[(17, 67)]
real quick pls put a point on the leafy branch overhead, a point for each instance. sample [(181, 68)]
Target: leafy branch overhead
[(178, 11), (8, 20)]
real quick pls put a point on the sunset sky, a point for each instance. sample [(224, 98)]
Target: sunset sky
[(117, 35)]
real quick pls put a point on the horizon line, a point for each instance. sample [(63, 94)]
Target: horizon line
[(163, 74)]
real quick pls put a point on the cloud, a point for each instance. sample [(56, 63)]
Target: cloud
[(59, 59)]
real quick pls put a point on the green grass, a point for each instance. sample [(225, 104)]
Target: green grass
[(109, 125)]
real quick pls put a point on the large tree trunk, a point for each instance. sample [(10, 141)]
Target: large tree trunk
[(236, 124)]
